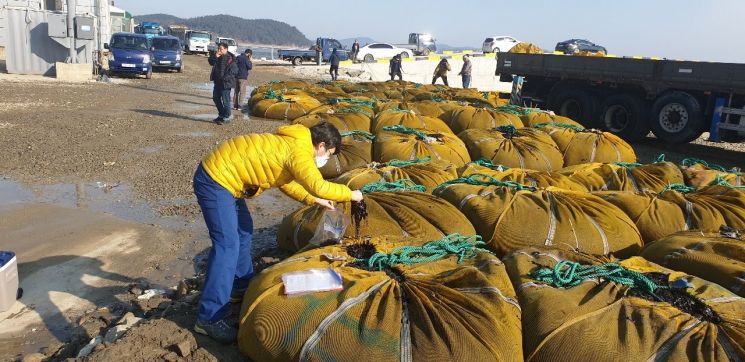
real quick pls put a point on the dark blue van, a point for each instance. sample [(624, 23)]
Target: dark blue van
[(167, 53), (130, 53)]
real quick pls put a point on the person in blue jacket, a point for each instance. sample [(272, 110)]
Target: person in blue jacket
[(244, 64)]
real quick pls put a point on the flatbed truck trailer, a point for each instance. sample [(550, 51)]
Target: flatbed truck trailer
[(676, 100)]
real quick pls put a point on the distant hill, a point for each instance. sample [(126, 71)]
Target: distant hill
[(362, 40), (442, 47), (254, 31)]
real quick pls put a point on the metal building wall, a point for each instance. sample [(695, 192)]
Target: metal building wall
[(31, 4), (29, 48)]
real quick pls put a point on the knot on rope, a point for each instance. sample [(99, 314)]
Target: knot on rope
[(454, 244), (480, 179), (367, 135), (402, 185), (406, 163)]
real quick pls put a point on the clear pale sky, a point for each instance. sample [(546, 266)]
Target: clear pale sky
[(712, 30)]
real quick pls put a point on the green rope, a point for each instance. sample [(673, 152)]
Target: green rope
[(363, 134), (454, 244), (403, 184), (356, 102), (397, 110), (405, 130), (354, 110), (679, 188), (406, 163), (562, 125), (480, 179), (488, 164), (660, 158), (271, 94), (509, 131), (720, 181), (568, 274), (274, 82), (688, 162)]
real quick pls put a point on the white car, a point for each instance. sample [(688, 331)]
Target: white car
[(232, 45), (498, 44), (371, 52)]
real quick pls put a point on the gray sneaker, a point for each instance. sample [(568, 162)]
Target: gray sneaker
[(219, 331)]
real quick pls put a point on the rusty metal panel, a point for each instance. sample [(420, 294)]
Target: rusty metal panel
[(30, 50)]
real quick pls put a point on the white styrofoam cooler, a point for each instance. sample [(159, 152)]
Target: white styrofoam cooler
[(8, 280)]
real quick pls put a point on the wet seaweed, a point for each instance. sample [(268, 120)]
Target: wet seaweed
[(678, 298), (359, 214)]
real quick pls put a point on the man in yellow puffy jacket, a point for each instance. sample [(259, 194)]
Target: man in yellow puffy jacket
[(244, 167)]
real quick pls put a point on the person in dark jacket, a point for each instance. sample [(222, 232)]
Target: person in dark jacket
[(441, 71), (334, 60), (244, 64), (355, 49), (224, 73), (395, 68)]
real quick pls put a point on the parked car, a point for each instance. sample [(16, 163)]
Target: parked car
[(130, 53), (498, 44), (573, 46), (326, 45), (167, 53), (374, 51), (232, 45)]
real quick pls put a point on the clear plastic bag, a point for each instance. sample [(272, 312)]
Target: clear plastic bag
[(331, 228)]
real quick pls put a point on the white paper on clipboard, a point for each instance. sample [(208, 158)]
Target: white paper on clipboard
[(311, 281)]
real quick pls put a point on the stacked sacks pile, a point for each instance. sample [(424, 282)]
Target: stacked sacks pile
[(344, 119), (622, 176), (533, 117), (526, 48), (514, 147), (654, 216), (716, 257), (575, 305), (355, 152), (699, 173), (509, 216), (429, 108), (469, 117), (445, 300), (284, 106), (520, 175), (580, 145), (398, 208), (404, 143), (426, 172)]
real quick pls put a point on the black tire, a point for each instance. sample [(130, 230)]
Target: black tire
[(369, 58), (625, 115), (575, 103), (297, 61), (425, 52), (677, 118)]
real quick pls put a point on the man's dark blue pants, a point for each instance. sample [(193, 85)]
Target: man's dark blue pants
[(222, 99), (230, 226)]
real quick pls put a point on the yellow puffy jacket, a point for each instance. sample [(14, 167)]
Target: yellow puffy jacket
[(248, 165)]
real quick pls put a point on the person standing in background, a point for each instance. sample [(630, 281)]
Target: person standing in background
[(224, 72), (442, 72), (465, 72), (395, 68), (334, 61), (355, 49), (244, 64)]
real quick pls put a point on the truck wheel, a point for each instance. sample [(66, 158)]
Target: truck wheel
[(297, 61), (625, 115), (574, 103), (677, 118), (425, 52), (369, 58)]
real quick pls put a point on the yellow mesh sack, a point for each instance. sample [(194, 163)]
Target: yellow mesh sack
[(426, 172), (284, 107), (533, 117), (404, 143), (699, 173), (281, 86), (653, 216), (601, 320), (585, 146), (514, 147), (540, 179), (407, 118), (510, 216), (653, 177), (401, 214), (449, 309), (709, 208), (355, 152), (716, 257), (468, 117), (344, 119), (526, 48)]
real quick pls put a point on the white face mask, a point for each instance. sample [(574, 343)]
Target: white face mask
[(322, 161)]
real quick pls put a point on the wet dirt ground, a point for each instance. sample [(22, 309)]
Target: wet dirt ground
[(95, 194)]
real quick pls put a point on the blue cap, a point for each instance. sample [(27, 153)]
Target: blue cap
[(6, 257)]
